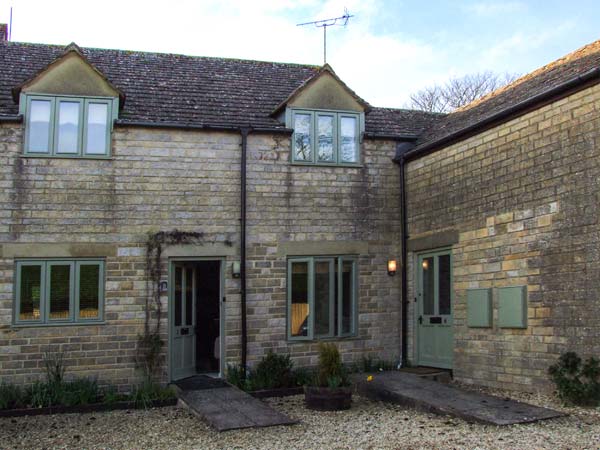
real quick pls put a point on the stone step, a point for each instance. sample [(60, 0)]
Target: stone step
[(428, 373)]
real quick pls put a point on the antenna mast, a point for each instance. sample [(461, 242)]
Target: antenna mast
[(324, 23)]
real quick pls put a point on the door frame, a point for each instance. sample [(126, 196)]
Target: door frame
[(417, 287), (171, 274)]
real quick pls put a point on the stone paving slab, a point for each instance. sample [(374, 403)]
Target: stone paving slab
[(431, 396), (229, 408)]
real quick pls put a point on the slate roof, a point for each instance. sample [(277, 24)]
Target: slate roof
[(535, 83), (188, 90)]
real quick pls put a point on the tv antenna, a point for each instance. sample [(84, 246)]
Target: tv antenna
[(324, 23)]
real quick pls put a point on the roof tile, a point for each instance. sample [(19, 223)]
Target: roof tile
[(188, 90)]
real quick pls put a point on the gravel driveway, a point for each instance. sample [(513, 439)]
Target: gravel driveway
[(368, 425)]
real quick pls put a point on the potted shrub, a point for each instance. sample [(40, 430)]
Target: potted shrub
[(330, 388)]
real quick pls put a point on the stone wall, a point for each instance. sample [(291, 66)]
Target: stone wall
[(165, 179), (522, 198)]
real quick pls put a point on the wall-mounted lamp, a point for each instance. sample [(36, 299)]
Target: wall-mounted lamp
[(392, 267), (235, 269)]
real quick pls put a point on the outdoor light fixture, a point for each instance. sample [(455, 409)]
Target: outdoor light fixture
[(235, 269), (392, 267)]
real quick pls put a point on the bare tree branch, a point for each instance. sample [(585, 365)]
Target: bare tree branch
[(458, 91)]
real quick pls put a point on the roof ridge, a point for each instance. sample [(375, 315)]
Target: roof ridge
[(411, 110), (576, 54), (150, 53)]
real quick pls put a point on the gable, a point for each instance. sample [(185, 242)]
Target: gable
[(70, 75), (326, 92)]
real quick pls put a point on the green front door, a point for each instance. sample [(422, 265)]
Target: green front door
[(183, 321), (434, 309)]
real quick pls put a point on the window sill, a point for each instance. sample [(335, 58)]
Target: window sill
[(352, 337), (350, 166), (17, 326), (34, 156)]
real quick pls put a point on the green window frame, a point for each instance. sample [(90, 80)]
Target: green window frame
[(315, 153), (75, 290), (325, 291), (82, 148)]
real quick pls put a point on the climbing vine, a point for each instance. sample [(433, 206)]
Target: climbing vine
[(150, 343)]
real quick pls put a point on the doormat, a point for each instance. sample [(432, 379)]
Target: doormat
[(201, 382)]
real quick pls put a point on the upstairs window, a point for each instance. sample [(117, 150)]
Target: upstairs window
[(325, 137), (67, 126)]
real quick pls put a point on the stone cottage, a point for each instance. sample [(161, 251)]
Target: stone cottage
[(234, 207)]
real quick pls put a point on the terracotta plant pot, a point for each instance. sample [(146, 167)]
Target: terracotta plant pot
[(327, 399)]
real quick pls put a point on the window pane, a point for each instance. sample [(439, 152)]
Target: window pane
[(428, 267), (89, 291), (348, 139), (302, 149), (444, 284), (347, 295), (68, 127), (189, 290), (30, 292), (39, 126), (177, 294), (322, 300), (325, 138), (97, 124), (60, 291), (299, 326)]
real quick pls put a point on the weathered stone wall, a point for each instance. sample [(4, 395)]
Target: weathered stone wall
[(165, 179), (523, 199), (288, 203)]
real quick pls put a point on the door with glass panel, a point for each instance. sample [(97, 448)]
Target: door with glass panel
[(434, 309), (183, 321)]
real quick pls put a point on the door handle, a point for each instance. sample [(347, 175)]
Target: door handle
[(185, 331), (420, 320)]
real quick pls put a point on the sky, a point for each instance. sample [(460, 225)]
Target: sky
[(389, 49)]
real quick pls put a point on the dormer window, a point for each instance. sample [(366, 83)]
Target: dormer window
[(68, 108), (67, 126), (325, 137)]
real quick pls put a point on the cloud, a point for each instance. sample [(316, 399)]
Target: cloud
[(378, 54), (521, 44)]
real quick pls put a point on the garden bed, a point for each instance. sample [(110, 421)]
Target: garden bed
[(278, 392), (80, 409)]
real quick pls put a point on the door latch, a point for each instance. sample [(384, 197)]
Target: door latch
[(420, 320)]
